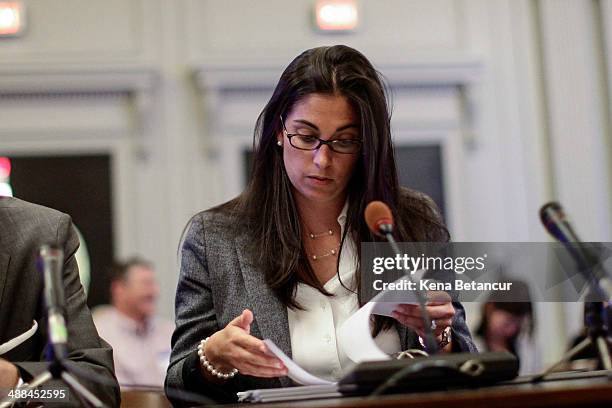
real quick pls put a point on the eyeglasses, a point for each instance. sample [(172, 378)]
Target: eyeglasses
[(309, 142)]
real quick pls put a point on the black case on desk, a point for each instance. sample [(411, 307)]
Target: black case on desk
[(437, 372)]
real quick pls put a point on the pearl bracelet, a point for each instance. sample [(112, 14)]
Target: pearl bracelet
[(209, 367)]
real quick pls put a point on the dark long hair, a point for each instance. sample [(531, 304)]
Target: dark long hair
[(267, 208), (507, 301)]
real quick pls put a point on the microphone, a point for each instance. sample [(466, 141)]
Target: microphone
[(379, 219), (51, 265), (555, 221)]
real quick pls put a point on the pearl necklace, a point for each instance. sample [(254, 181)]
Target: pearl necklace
[(328, 253), (322, 234)]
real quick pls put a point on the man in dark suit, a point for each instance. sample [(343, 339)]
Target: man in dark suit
[(23, 228)]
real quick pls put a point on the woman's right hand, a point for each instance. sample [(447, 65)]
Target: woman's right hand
[(233, 347)]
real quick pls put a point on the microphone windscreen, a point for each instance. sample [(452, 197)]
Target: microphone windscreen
[(377, 213), (549, 209), (553, 219)]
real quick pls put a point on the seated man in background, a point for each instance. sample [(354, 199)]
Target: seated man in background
[(24, 227), (141, 342)]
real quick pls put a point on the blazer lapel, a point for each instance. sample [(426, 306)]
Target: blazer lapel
[(269, 313), (4, 265)]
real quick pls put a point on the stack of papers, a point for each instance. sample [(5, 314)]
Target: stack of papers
[(295, 372), (290, 394)]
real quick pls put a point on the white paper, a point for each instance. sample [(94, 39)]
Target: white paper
[(11, 344), (296, 373), (354, 336), (386, 302), (290, 393)]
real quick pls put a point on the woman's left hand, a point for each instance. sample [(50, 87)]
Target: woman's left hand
[(439, 307)]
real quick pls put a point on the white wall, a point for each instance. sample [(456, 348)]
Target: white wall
[(166, 87)]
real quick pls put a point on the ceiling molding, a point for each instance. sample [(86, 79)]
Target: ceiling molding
[(139, 84), (80, 81)]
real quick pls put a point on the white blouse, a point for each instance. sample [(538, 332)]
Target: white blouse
[(313, 330)]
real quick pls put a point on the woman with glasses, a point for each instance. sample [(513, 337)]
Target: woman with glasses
[(281, 261)]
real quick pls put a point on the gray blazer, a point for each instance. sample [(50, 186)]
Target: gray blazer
[(23, 228), (218, 280)]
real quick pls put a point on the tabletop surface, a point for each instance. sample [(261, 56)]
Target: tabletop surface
[(560, 390)]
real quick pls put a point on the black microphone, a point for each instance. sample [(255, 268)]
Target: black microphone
[(555, 221), (379, 219), (51, 265)]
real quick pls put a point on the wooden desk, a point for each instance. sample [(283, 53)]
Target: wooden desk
[(563, 390), (139, 398)]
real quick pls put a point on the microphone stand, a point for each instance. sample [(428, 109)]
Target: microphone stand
[(51, 261), (598, 322), (598, 316), (598, 336), (431, 345), (57, 370)]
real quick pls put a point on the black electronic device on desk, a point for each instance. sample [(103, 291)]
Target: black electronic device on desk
[(442, 371), (439, 372)]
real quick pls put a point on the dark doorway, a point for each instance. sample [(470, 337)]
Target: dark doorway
[(81, 187), (420, 168)]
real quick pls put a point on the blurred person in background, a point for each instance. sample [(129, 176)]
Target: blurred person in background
[(507, 324), (141, 341)]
